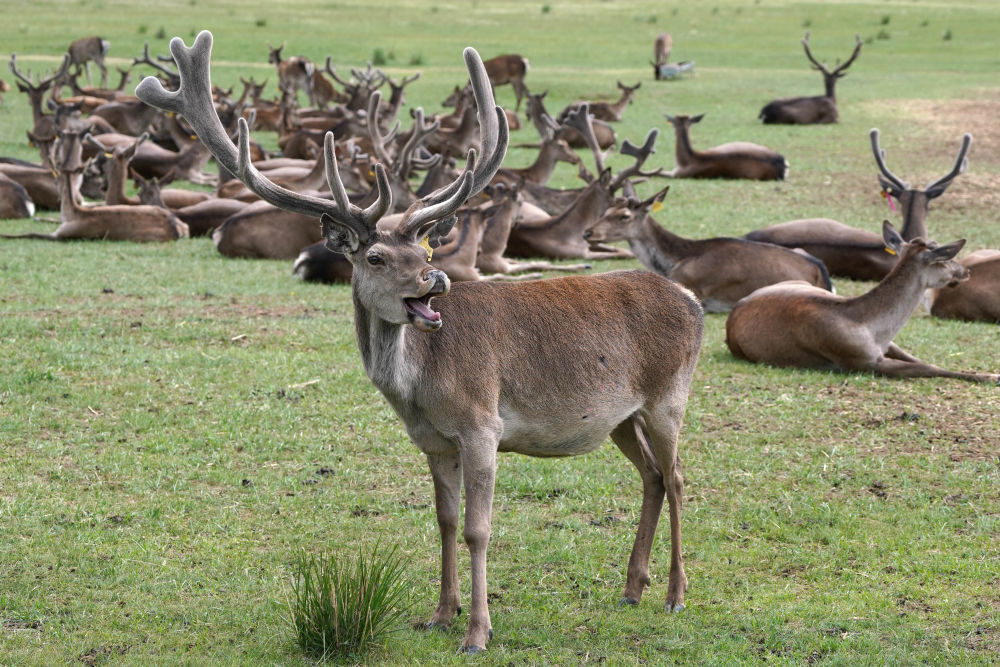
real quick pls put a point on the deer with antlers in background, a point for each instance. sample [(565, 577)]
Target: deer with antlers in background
[(613, 354), (810, 110), (795, 324)]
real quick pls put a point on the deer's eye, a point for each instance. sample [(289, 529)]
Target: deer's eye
[(374, 259)]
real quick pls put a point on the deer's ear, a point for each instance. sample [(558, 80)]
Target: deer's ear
[(697, 119), (889, 187), (945, 252), (936, 191), (339, 237), (440, 230), (893, 241)]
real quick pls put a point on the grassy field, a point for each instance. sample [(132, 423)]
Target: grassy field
[(176, 427)]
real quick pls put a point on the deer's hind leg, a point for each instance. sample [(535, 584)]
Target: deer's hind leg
[(626, 436), (660, 432)]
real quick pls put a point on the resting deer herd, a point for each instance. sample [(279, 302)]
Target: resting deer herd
[(441, 310)]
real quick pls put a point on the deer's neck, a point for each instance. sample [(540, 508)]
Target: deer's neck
[(829, 83), (540, 171), (384, 353), (657, 248), (887, 307), (116, 186), (913, 204), (684, 153)]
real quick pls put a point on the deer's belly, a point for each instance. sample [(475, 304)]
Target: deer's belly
[(563, 435)]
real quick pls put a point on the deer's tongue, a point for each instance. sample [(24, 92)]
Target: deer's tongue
[(418, 307)]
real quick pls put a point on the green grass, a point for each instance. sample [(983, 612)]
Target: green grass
[(165, 413)]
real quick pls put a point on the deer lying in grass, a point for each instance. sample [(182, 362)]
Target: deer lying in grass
[(115, 223), (739, 159), (810, 110), (795, 324), (720, 271), (14, 199), (914, 203), (976, 299), (609, 112), (612, 354), (855, 253)]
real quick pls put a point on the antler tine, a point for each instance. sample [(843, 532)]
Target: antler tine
[(42, 83), (880, 161), (961, 163), (816, 64), (193, 99), (494, 137), (641, 154), (579, 119), (375, 131), (838, 72), (420, 132)]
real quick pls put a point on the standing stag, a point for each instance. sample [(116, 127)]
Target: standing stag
[(87, 49), (738, 159), (810, 110), (661, 53), (508, 68), (795, 324), (611, 354), (294, 74)]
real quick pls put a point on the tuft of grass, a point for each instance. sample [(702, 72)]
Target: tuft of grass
[(260, 23), (546, 9), (882, 34), (378, 57), (947, 35), (885, 19), (161, 33), (416, 59), (344, 607), (807, 23)]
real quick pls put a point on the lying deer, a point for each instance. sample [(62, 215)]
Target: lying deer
[(914, 203), (612, 353), (738, 159), (855, 253), (976, 299), (607, 111), (810, 110), (795, 324), (115, 223), (14, 199), (720, 271)]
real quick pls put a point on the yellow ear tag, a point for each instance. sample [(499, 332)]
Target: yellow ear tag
[(426, 244), (657, 206), (107, 154), (371, 173), (890, 250)]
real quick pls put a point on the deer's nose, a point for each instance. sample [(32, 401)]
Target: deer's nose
[(587, 234)]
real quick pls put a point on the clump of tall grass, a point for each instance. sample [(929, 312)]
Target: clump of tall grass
[(343, 607)]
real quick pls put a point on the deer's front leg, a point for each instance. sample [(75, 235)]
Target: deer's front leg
[(479, 471), (446, 470)]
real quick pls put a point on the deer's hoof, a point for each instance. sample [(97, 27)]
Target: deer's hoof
[(675, 608), (472, 650), (627, 602)]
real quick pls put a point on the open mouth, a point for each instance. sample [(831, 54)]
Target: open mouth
[(420, 312), (419, 309)]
